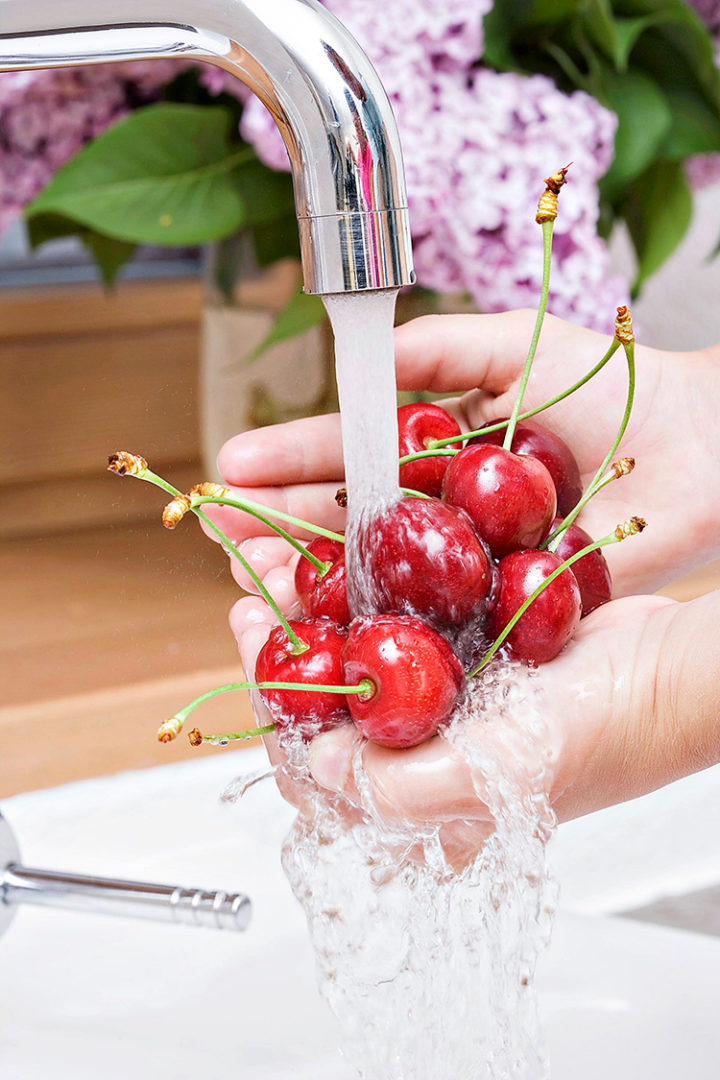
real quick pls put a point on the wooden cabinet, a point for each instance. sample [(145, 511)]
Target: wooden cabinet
[(110, 623)]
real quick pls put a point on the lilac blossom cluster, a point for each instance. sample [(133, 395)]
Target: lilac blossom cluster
[(704, 169), (477, 145), (47, 116)]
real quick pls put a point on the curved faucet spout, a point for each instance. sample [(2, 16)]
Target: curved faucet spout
[(307, 69)]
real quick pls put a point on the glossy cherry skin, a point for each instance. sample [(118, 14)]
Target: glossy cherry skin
[(552, 618), (557, 457), (426, 559), (592, 571), (416, 675), (324, 596), (304, 711), (510, 498), (418, 425)]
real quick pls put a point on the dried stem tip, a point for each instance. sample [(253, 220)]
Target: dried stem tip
[(548, 205), (125, 464), (170, 729), (175, 511), (341, 497), (209, 490), (624, 326), (195, 737), (629, 528), (623, 467)]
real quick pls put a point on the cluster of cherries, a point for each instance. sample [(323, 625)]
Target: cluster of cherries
[(448, 571), (480, 552)]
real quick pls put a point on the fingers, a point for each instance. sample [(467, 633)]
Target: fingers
[(459, 352), (263, 553), (429, 783), (299, 452)]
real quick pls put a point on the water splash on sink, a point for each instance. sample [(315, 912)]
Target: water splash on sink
[(429, 964), (425, 953)]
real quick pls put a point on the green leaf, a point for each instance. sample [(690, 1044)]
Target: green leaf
[(301, 313), (644, 119), (497, 33), (695, 127), (551, 11), (658, 214), (163, 175), (110, 255), (267, 194), (614, 34), (41, 228), (278, 239)]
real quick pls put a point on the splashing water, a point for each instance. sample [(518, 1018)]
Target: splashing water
[(428, 965)]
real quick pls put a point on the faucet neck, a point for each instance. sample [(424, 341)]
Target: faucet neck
[(317, 83)]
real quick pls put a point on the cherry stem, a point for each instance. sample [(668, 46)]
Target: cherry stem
[(489, 428), (596, 483), (298, 646), (171, 728), (415, 494), (264, 512), (430, 453), (197, 738), (547, 228), (612, 538), (321, 567)]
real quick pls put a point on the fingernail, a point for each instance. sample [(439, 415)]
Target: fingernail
[(327, 763)]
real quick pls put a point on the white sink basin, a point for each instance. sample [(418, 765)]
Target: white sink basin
[(86, 996)]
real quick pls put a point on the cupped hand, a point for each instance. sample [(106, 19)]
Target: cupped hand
[(607, 739), (297, 467)]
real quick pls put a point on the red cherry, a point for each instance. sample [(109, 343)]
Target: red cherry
[(306, 711), (425, 558), (510, 498), (592, 571), (552, 618), (557, 457), (418, 425), (416, 675), (324, 596)]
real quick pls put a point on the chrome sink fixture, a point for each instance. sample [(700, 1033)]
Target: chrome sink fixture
[(112, 896), (318, 84)]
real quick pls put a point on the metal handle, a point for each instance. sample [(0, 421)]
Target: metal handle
[(112, 896)]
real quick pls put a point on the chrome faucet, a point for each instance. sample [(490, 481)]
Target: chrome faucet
[(318, 84)]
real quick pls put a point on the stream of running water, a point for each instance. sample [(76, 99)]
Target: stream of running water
[(426, 937)]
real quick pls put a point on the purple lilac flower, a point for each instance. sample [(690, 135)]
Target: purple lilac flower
[(47, 116), (704, 169)]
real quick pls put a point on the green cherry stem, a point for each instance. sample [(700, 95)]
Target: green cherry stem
[(554, 539), (138, 467), (171, 728), (264, 512), (432, 452), (415, 494), (298, 646), (198, 739), (614, 346), (628, 528), (547, 228), (321, 567)]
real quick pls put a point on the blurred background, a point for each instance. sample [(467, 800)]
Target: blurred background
[(150, 301)]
